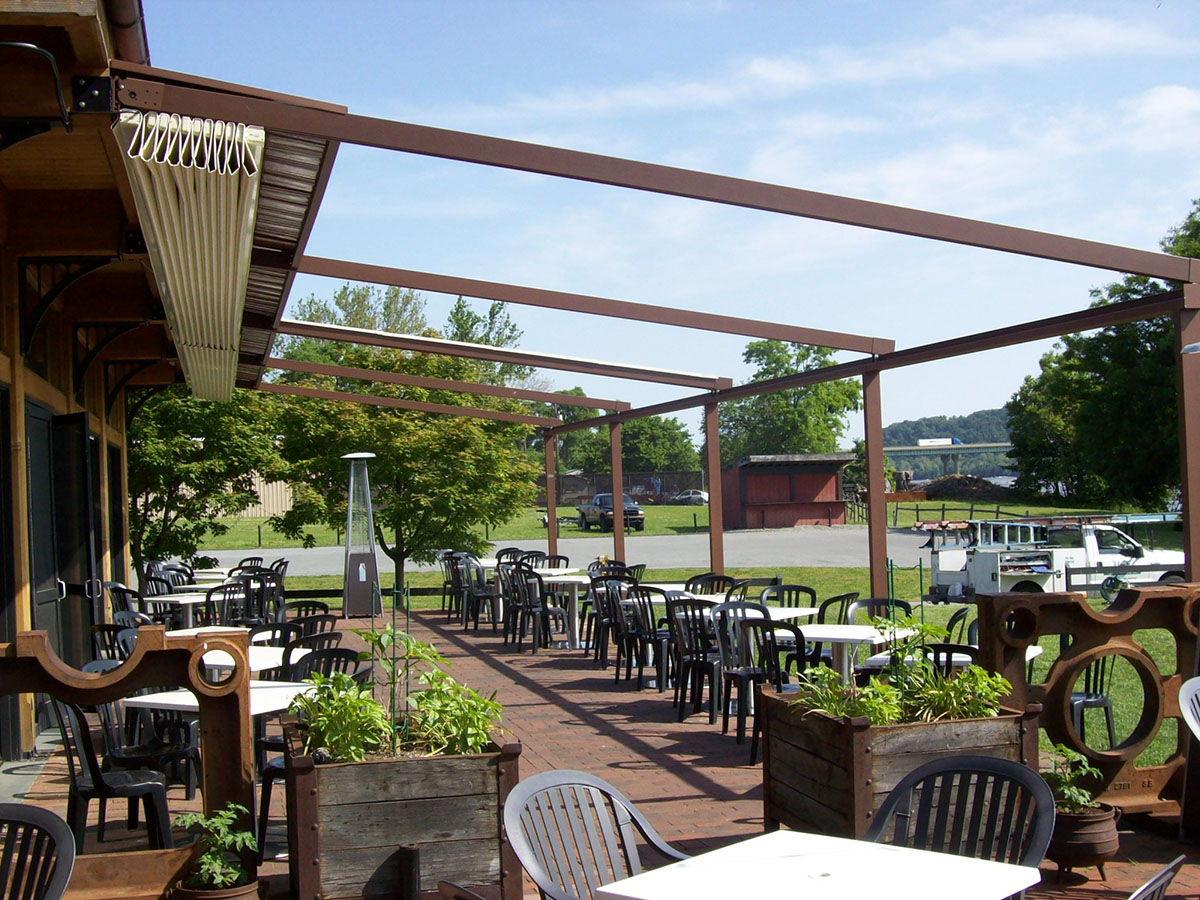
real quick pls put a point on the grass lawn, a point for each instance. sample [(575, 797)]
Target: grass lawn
[(252, 533), (1124, 687)]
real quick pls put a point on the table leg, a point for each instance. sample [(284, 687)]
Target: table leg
[(187, 615), (841, 660), (573, 617)]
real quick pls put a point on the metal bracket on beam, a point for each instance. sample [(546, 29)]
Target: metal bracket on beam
[(88, 341), (42, 280), (122, 372), (92, 93)]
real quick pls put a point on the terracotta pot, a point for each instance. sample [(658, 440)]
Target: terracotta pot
[(243, 892), (1086, 838)]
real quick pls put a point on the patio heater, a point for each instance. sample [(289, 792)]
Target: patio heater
[(361, 584)]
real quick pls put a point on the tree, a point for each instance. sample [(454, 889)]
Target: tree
[(355, 306), (495, 328), (650, 444), (190, 462), (855, 473), (1070, 425), (435, 479), (809, 419)]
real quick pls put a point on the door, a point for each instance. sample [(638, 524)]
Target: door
[(76, 489), (43, 559), (62, 543), (116, 516)]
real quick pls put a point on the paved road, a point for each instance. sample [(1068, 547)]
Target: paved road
[(804, 546)]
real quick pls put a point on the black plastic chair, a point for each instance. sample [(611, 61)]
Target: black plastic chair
[(178, 750), (1156, 887), (327, 661), (771, 646), (477, 593), (832, 611), (37, 853), (574, 832), (976, 806), (250, 562), (508, 554), (104, 641), (695, 659), (946, 657), (709, 583), (740, 672), (293, 610), (794, 596), (131, 619), (88, 782), (1095, 696), (278, 634)]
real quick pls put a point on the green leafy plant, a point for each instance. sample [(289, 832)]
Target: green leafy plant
[(217, 866), (909, 688), (1067, 767), (449, 717), (342, 720)]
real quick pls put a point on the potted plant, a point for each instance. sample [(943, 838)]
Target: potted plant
[(421, 765), (834, 750), (1085, 830), (215, 872)]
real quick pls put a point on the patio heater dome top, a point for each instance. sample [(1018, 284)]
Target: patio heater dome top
[(362, 455)]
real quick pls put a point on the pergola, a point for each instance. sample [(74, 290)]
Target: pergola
[(91, 202), (318, 128)]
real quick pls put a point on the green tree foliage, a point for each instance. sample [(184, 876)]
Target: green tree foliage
[(496, 328), (354, 306), (650, 444), (435, 478), (568, 443), (1098, 424), (810, 419), (190, 462), (856, 472)]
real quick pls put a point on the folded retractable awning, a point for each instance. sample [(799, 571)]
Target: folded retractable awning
[(196, 184)]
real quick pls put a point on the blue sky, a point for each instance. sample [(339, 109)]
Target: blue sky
[(1079, 118)]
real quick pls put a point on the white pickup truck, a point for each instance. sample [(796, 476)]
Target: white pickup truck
[(1031, 557)]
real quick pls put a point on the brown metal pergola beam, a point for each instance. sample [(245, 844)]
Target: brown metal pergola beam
[(497, 354), (414, 405), (153, 92), (582, 303), (1084, 320), (443, 384)]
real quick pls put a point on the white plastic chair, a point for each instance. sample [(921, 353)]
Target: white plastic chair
[(1189, 704)]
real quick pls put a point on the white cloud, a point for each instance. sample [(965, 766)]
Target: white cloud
[(1166, 117), (1012, 43)]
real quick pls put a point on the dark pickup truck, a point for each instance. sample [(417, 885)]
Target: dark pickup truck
[(599, 512)]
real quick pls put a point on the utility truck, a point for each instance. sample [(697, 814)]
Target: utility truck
[(1032, 556)]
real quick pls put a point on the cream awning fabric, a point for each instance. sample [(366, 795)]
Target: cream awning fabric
[(196, 183)]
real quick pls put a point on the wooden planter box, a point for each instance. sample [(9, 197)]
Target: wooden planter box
[(830, 775), (347, 821)]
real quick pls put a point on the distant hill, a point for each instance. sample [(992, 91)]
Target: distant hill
[(986, 426), (982, 427)]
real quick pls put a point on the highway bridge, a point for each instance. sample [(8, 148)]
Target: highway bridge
[(950, 454)]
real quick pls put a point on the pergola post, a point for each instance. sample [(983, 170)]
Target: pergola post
[(712, 465), (1187, 366), (618, 491), (876, 486), (551, 443)]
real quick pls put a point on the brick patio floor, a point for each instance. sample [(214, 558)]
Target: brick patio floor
[(694, 784)]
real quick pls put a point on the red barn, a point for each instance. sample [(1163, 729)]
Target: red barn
[(785, 490)]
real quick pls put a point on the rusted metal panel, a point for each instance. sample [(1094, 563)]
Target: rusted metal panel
[(1009, 623)]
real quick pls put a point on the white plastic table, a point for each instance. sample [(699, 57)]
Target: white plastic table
[(845, 637), (816, 867), (573, 582), (185, 600), (266, 697)]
